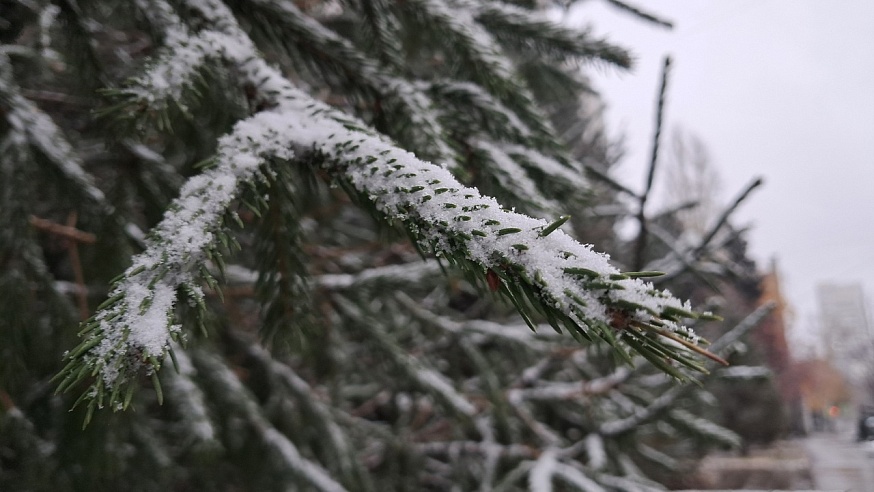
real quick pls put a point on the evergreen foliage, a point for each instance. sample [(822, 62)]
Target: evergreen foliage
[(342, 304)]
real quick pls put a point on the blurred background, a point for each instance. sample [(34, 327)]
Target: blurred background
[(335, 349), (781, 90)]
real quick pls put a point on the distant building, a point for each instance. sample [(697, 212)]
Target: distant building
[(771, 334), (793, 382), (846, 331)]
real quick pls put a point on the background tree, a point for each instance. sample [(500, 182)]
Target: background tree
[(691, 178), (286, 148)]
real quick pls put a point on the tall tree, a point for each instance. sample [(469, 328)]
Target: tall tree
[(692, 179), (307, 154)]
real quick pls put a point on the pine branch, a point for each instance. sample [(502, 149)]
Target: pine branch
[(479, 329), (532, 33), (468, 99), (480, 53), (185, 395), (413, 380), (623, 483), (415, 370), (723, 217), (513, 180), (238, 399), (667, 399), (558, 391), (540, 477), (575, 477), (282, 282), (659, 458), (134, 327), (79, 29), (541, 273), (173, 80), (42, 134), (404, 275), (456, 448), (342, 453), (627, 7), (703, 428), (567, 177), (547, 436), (408, 113), (687, 258), (640, 244), (383, 28), (474, 42), (611, 182)]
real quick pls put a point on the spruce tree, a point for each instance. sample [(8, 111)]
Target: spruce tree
[(273, 224)]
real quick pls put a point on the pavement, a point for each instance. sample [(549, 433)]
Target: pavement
[(839, 462), (821, 462)]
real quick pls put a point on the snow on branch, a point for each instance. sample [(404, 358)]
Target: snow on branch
[(479, 329), (134, 327), (456, 448), (704, 428), (644, 414), (188, 397), (551, 168), (577, 478), (40, 132), (454, 21), (571, 283), (399, 274), (481, 47), (540, 269), (559, 391), (306, 396), (415, 370), (312, 37), (494, 114), (745, 372), (540, 476), (545, 36), (238, 399), (26, 434), (666, 399), (513, 178), (415, 273)]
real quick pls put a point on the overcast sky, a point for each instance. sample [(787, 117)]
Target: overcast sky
[(782, 89)]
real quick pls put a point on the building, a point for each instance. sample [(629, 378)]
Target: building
[(771, 334), (846, 330)]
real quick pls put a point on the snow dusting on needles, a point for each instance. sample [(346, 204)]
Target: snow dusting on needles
[(29, 122), (453, 219), (141, 322), (405, 187)]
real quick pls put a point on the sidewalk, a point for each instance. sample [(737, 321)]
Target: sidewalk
[(785, 465), (821, 462), (838, 462)]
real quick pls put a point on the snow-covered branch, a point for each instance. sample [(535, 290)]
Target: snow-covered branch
[(33, 127), (236, 396), (415, 370), (558, 391), (187, 396), (572, 285), (544, 36)]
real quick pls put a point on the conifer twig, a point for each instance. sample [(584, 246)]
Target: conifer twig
[(67, 231), (640, 243), (637, 11), (78, 275)]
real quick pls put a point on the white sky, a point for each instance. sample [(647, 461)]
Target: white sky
[(778, 88)]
